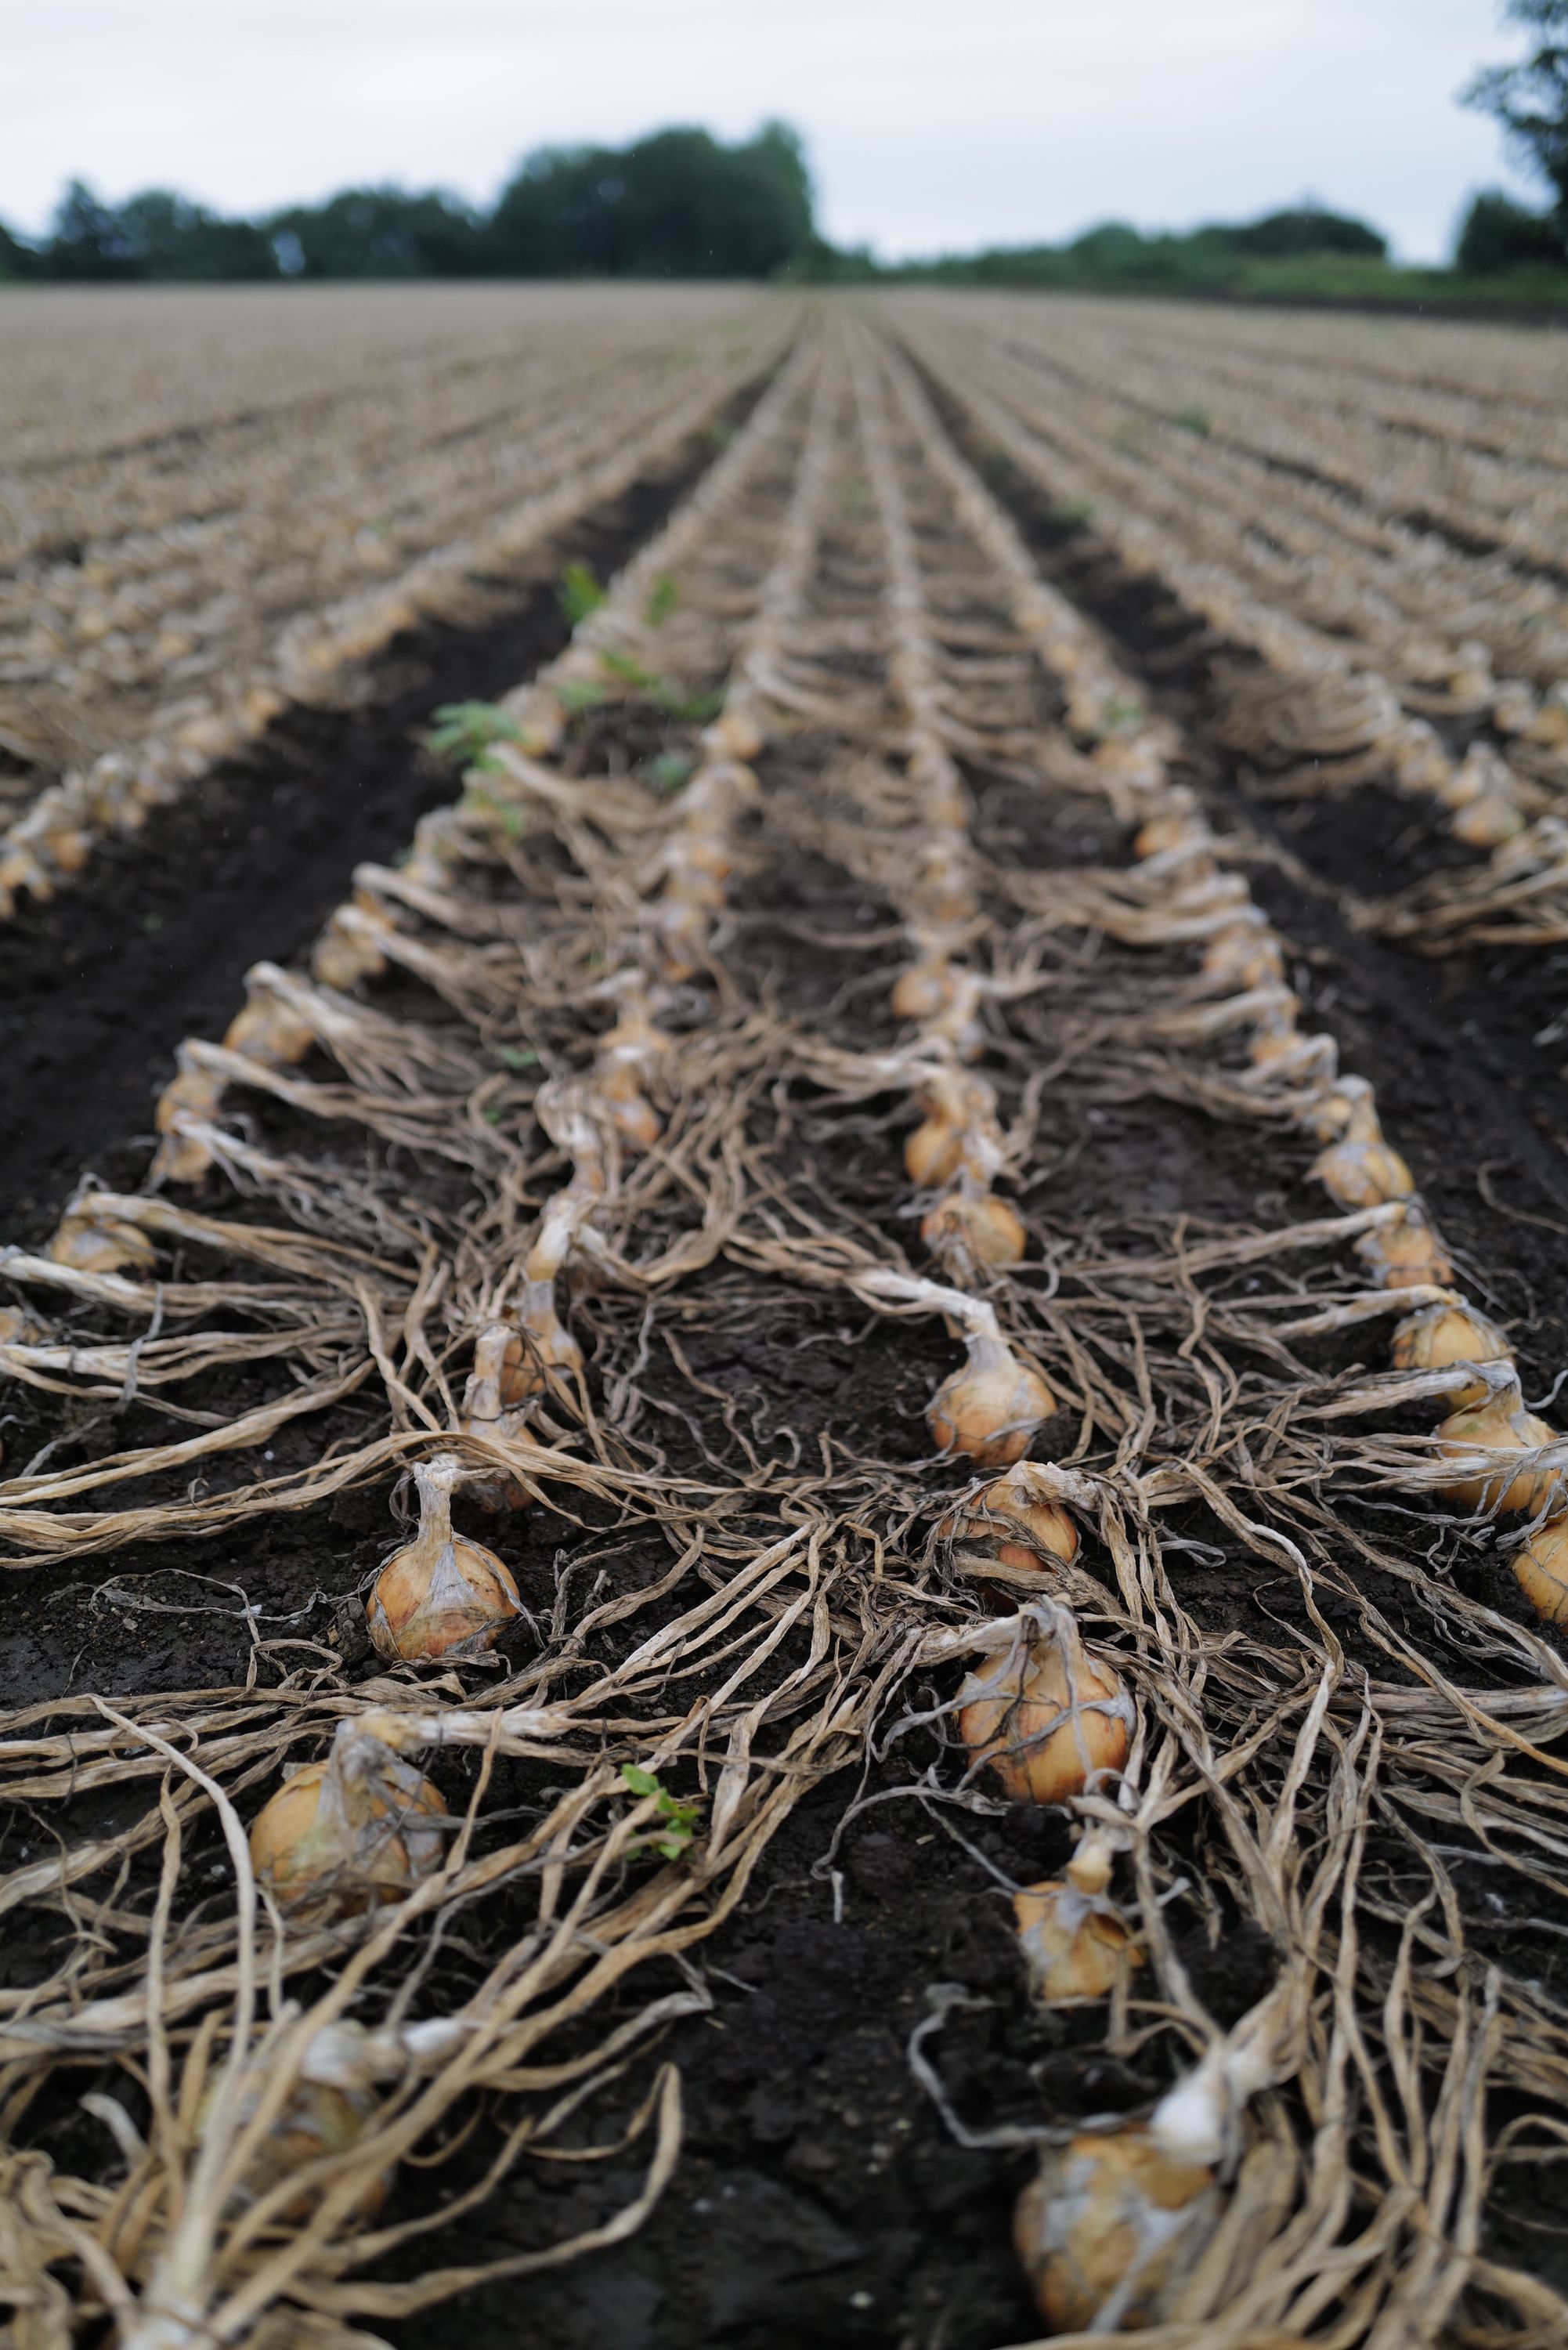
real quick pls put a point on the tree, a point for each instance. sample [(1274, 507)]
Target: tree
[(1530, 98), (1309, 229), (89, 239), (173, 238), (378, 232), (1498, 234)]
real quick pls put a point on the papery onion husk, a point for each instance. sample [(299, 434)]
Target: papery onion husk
[(101, 1244), (346, 1834), (1363, 1174), (441, 1594), (1045, 1720), (1075, 1945), (1501, 1424), (1441, 1335), (1019, 1530), (318, 2119), (1406, 1253), (989, 1229), (923, 990), (1541, 1569), (989, 1409), (265, 1030), (1109, 2229), (932, 1152)]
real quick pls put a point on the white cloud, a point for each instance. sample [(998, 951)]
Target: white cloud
[(930, 123)]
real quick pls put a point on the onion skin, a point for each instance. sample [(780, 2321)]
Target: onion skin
[(318, 2119), (991, 1409), (1542, 1567), (1406, 1253), (1442, 1335), (442, 1594), (991, 1231), (1110, 2228), (1364, 1174), (922, 991), (326, 1838), (92, 1246), (1022, 1533), (1075, 1946), (1045, 1726), (1501, 1425), (932, 1152)]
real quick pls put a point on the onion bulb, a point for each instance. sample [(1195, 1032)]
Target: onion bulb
[(1047, 1719), (1542, 1567), (1022, 1531), (441, 1594), (923, 990), (318, 2119), (1406, 1253), (265, 1030), (101, 1244), (1440, 1334), (1363, 1174), (991, 1229), (1110, 2228), (197, 1094), (989, 1409), (932, 1152), (1075, 1945), (734, 734), (1501, 1424), (350, 1832)]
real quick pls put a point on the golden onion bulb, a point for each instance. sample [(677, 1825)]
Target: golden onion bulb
[(1501, 1424), (265, 1030), (1021, 1529), (1440, 1334), (990, 1408), (1364, 1174), (1045, 1722), (1542, 1567), (101, 1244), (991, 1229), (923, 990), (350, 1832), (1110, 2228), (1075, 1945), (441, 1594), (932, 1152), (1408, 1253), (318, 2119)]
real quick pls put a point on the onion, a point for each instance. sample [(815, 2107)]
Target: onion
[(1364, 1174), (991, 1409), (318, 2119), (734, 734), (1076, 1944), (441, 1594), (100, 1245), (1046, 1718), (1501, 1424), (1407, 1253), (195, 1093), (931, 1153), (991, 1230), (349, 1832), (1110, 2228), (923, 990), (1542, 1567), (1441, 1335), (1022, 1531), (267, 1030)]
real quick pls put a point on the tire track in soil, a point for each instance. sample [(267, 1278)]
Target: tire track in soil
[(1449, 1042), (99, 986)]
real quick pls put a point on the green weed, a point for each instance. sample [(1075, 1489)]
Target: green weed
[(678, 1821), (465, 731), (579, 592)]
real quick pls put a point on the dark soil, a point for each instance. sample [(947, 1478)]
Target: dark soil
[(821, 2198), (151, 944)]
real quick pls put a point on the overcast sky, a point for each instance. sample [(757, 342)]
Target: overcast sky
[(930, 123)]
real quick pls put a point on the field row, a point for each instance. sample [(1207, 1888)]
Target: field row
[(908, 1344)]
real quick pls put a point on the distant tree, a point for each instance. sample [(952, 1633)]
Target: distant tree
[(172, 238), (1530, 98), (1498, 234), (16, 259), (377, 233), (89, 239), (1308, 228), (676, 204)]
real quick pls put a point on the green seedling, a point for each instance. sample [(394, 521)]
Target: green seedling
[(466, 731), (1123, 713), (1194, 420), (504, 815), (1071, 512), (1127, 439), (678, 1821), (720, 435), (519, 1056), (662, 598), (580, 694), (668, 772), (579, 592), (691, 710)]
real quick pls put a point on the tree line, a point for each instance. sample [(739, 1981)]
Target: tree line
[(680, 204)]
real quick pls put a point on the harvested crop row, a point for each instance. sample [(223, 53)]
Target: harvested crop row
[(139, 663), (945, 754), (1310, 697)]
